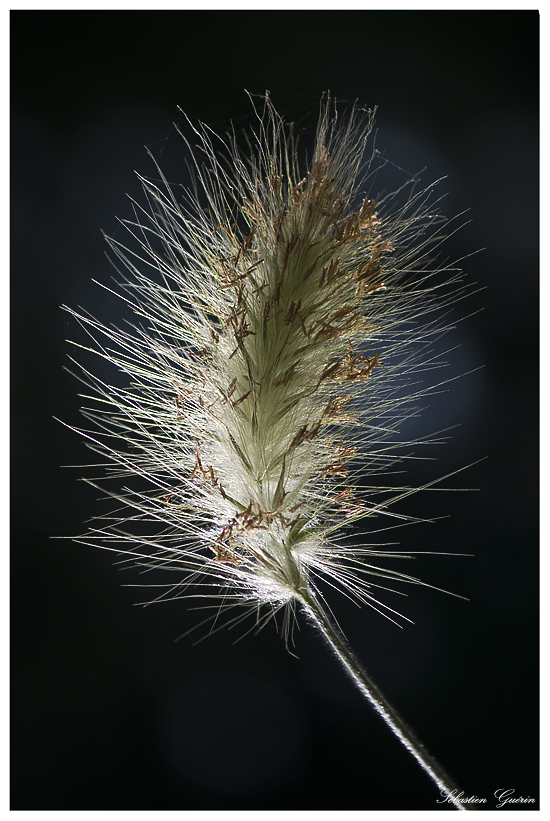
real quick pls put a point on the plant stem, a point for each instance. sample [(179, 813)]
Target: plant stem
[(338, 645)]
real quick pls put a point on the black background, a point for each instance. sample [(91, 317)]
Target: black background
[(107, 711)]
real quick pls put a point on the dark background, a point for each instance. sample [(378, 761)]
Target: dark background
[(107, 711)]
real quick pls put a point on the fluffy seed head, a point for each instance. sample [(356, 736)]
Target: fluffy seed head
[(277, 323)]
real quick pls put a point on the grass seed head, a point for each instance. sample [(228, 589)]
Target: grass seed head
[(278, 316)]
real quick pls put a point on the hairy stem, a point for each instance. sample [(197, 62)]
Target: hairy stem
[(338, 645)]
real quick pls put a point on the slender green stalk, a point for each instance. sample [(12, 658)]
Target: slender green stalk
[(406, 736)]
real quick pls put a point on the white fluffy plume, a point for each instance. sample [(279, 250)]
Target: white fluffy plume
[(282, 316)]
